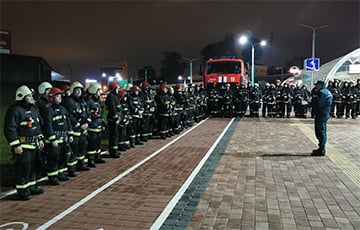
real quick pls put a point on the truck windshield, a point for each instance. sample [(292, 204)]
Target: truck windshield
[(229, 67)]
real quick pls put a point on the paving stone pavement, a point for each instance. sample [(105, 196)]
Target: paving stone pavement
[(259, 176), (267, 180)]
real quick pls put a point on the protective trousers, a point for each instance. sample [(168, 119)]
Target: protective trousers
[(79, 147), (113, 138), (24, 171), (321, 130)]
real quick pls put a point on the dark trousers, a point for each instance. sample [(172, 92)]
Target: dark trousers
[(78, 146), (163, 124), (146, 131), (321, 129), (53, 160), (24, 170), (94, 145), (113, 137)]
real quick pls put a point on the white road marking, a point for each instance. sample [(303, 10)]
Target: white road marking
[(111, 182), (25, 226), (161, 219)]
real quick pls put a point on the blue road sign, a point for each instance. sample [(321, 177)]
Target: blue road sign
[(312, 64)]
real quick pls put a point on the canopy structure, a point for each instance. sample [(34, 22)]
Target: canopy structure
[(344, 68)]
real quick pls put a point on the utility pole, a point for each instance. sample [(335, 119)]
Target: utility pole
[(313, 44), (190, 67)]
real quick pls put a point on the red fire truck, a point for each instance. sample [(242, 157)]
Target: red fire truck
[(224, 69)]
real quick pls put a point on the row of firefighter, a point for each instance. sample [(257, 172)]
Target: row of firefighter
[(280, 100), (61, 132)]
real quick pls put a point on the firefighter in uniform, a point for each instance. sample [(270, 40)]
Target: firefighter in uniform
[(80, 119), (149, 110), (23, 132), (336, 106), (244, 99), (285, 100), (42, 103), (278, 87), (255, 100), (265, 94), (271, 101), (179, 106), (163, 105), (96, 126), (136, 110), (124, 123), (57, 132), (112, 103), (353, 96), (173, 125), (214, 103)]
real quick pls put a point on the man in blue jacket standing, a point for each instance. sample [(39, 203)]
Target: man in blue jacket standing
[(322, 109)]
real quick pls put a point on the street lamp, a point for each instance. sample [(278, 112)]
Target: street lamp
[(190, 64), (313, 43), (243, 40)]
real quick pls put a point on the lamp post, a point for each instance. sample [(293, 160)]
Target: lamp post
[(190, 67), (313, 44), (243, 40)]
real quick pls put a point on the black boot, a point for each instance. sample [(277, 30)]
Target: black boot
[(54, 180), (98, 159), (23, 195), (319, 152), (122, 148), (63, 177), (114, 155), (72, 173), (36, 190), (91, 164), (81, 166)]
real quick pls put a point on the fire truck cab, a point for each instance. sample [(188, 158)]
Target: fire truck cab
[(222, 70)]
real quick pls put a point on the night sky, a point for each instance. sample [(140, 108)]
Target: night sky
[(88, 34)]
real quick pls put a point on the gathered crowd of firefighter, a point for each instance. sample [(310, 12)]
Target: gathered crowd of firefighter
[(63, 130)]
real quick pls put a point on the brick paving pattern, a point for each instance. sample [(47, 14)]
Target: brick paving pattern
[(260, 176), (266, 180)]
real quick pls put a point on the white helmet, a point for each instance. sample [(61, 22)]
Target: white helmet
[(94, 87), (74, 85), (43, 87), (22, 92)]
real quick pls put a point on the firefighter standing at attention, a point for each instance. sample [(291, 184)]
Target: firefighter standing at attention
[(57, 131), (80, 119), (96, 125), (23, 132), (113, 117)]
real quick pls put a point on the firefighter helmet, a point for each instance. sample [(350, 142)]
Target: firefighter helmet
[(134, 89), (75, 85), (145, 84), (44, 86), (178, 86), (163, 86), (53, 91), (21, 92), (122, 93), (65, 88), (93, 88), (113, 85)]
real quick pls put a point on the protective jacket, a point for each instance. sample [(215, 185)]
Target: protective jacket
[(57, 124), (78, 113), (22, 126)]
